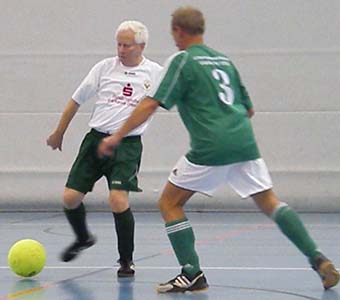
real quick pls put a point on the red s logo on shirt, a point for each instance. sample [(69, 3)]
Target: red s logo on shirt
[(127, 90)]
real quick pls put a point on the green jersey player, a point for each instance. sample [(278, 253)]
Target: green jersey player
[(215, 108), (213, 105)]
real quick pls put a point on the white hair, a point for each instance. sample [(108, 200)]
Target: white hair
[(139, 29)]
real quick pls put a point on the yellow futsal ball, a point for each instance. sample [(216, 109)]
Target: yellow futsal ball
[(27, 258)]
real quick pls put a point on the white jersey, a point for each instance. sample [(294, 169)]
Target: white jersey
[(117, 89)]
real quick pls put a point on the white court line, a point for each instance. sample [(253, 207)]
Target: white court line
[(175, 268)]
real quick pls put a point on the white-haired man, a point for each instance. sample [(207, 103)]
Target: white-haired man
[(118, 84)]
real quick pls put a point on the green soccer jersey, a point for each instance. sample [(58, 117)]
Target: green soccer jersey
[(213, 104)]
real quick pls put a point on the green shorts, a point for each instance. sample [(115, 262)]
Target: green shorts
[(120, 169)]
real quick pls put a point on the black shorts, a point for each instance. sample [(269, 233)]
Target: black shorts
[(120, 169)]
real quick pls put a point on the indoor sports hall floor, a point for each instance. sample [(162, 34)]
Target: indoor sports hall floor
[(243, 255)]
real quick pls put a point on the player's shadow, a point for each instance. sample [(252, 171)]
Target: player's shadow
[(330, 295), (28, 289), (74, 291), (180, 296), (125, 288)]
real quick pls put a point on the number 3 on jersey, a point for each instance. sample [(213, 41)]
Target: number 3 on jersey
[(227, 96)]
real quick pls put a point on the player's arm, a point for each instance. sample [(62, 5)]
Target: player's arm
[(140, 114), (55, 140), (86, 90)]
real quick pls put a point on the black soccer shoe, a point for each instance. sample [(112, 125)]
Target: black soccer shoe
[(326, 270), (126, 269), (183, 283), (72, 251)]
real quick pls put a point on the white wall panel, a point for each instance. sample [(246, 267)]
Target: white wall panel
[(292, 142), (276, 82)]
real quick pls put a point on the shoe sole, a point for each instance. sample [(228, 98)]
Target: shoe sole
[(201, 290), (330, 276), (160, 291)]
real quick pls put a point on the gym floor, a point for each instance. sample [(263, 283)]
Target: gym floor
[(243, 255)]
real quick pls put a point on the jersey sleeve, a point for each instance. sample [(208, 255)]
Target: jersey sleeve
[(171, 86), (89, 86)]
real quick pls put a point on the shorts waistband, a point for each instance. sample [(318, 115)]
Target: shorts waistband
[(103, 134)]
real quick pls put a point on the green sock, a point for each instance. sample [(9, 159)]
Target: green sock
[(125, 228), (291, 225), (77, 219), (182, 240)]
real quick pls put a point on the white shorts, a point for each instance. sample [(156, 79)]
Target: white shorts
[(245, 178)]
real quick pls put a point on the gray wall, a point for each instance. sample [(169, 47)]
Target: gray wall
[(288, 52)]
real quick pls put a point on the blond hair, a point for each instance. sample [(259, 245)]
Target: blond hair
[(189, 19)]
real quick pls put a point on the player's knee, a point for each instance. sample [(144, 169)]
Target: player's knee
[(72, 199), (166, 205), (118, 205), (71, 203), (119, 201), (266, 201)]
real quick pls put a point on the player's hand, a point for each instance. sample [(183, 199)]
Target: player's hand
[(55, 141), (251, 112), (107, 145)]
